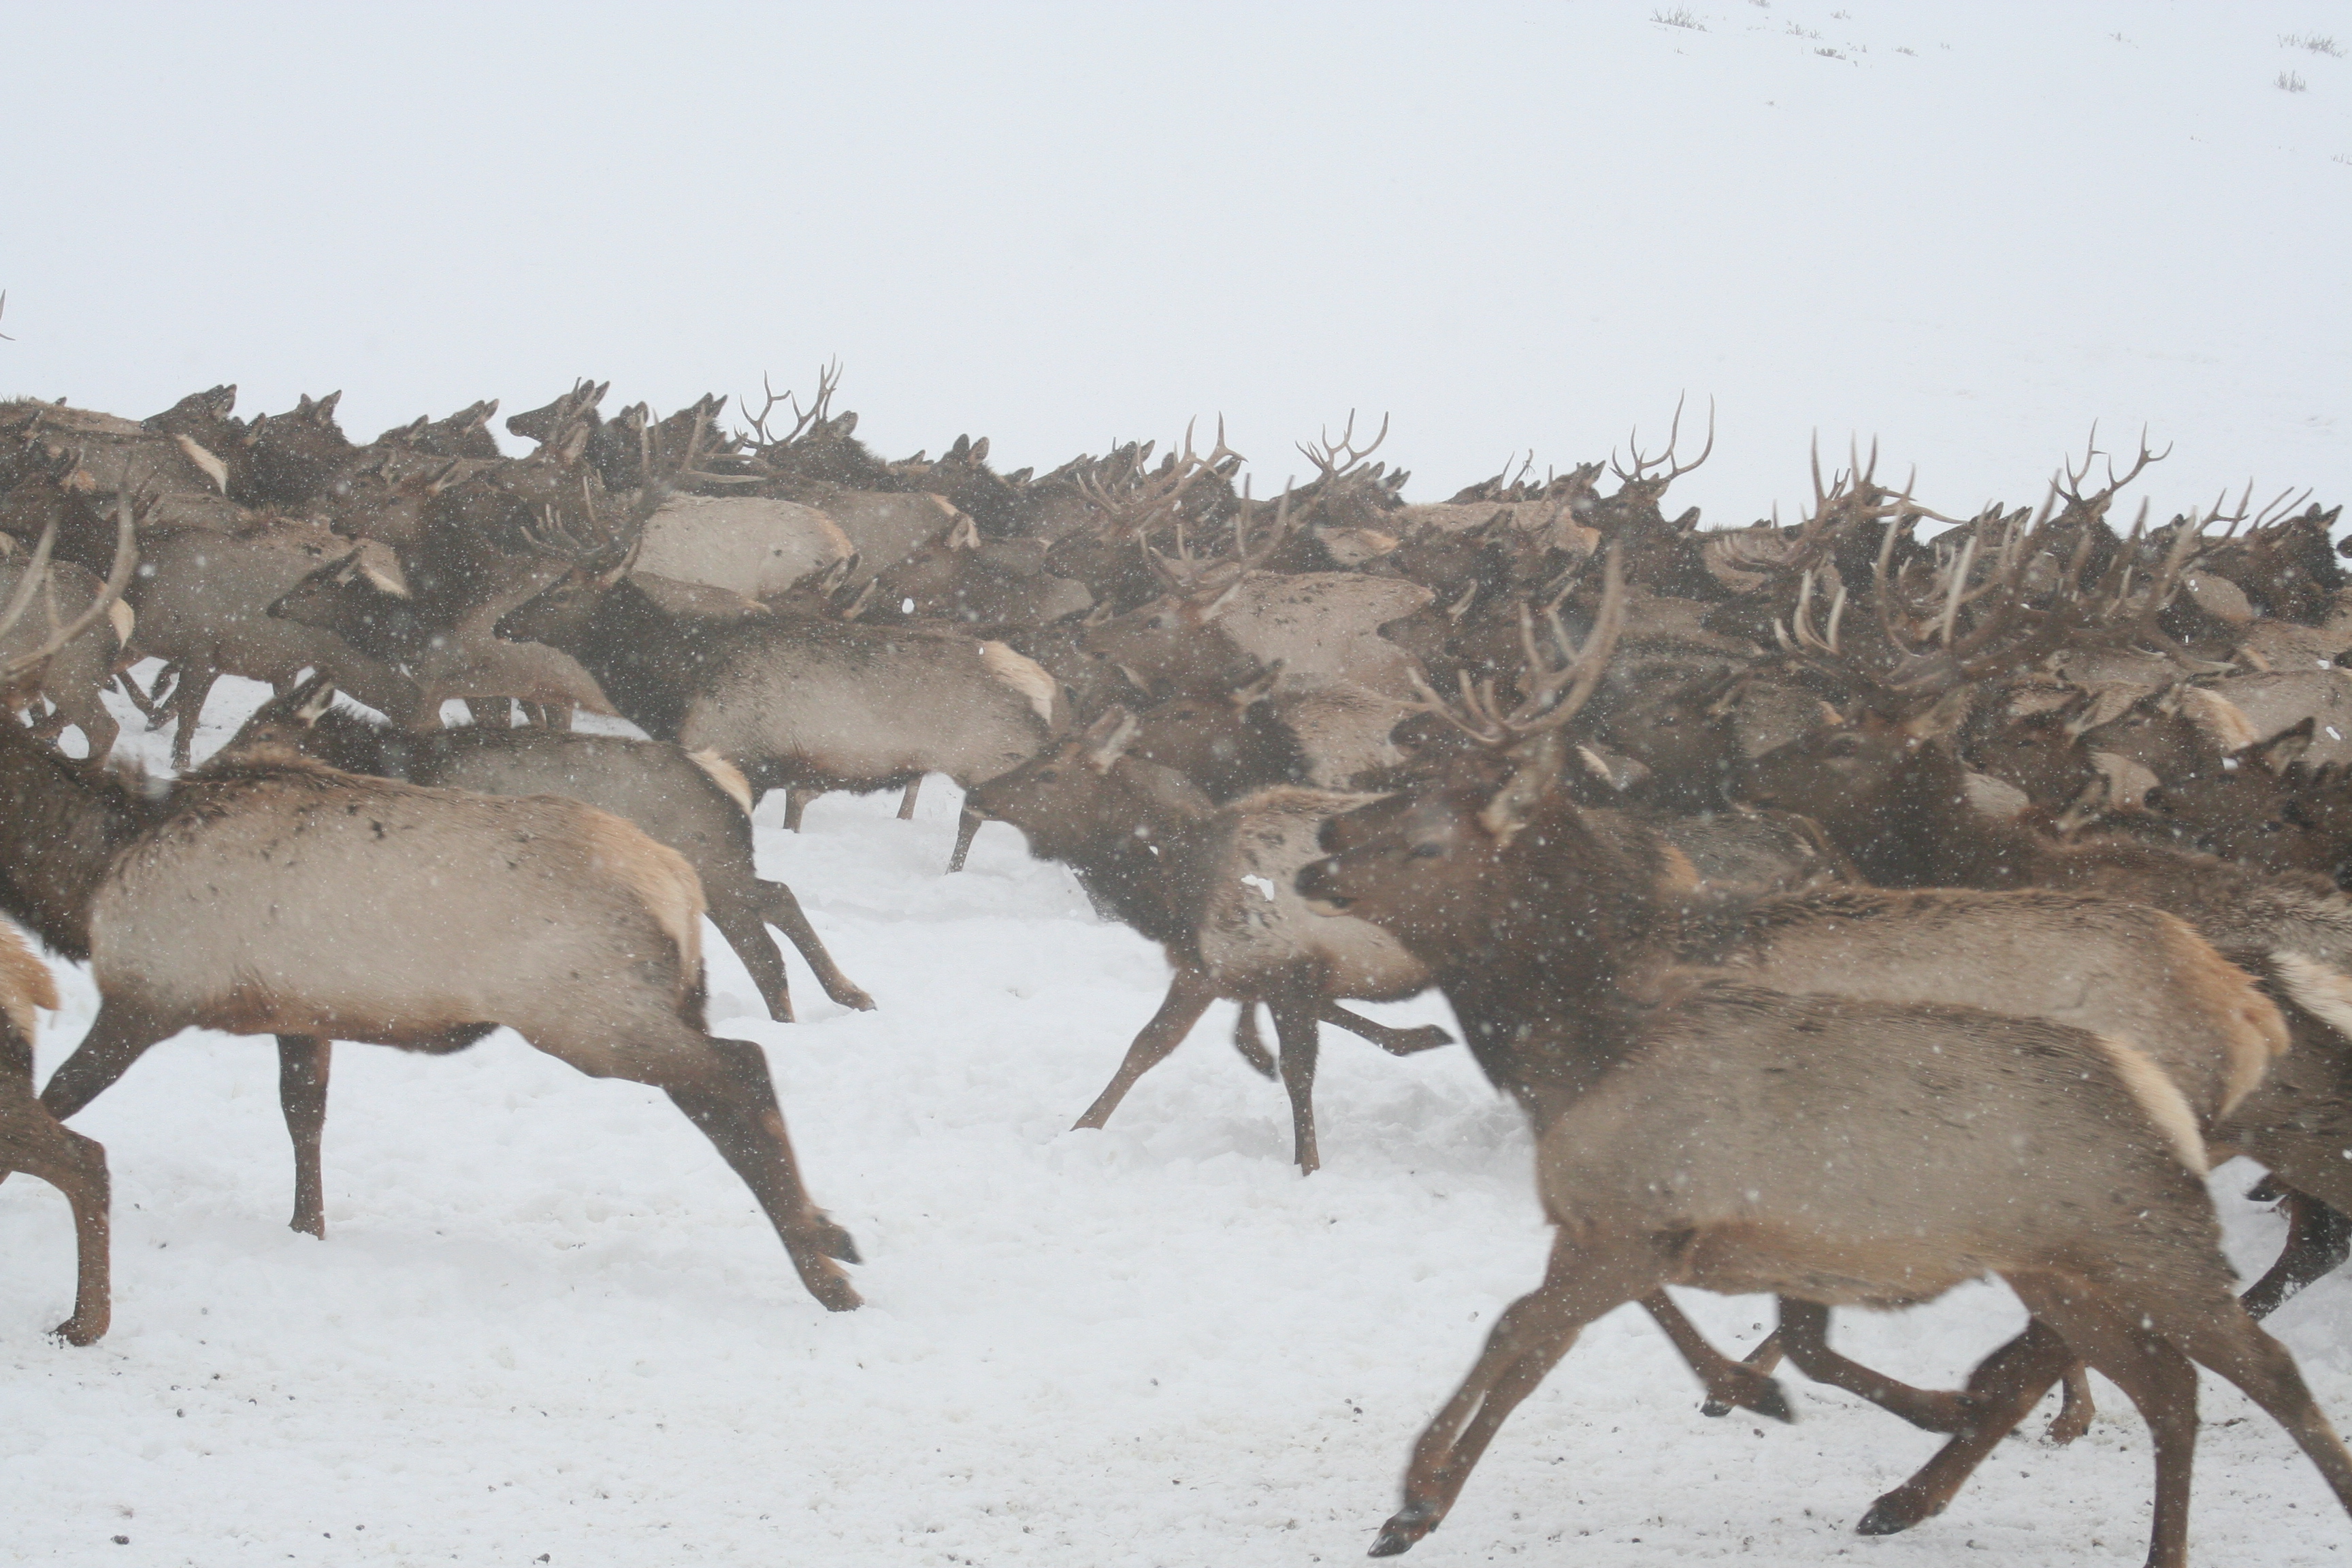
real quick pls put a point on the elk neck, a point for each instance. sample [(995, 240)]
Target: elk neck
[(61, 828), (643, 657)]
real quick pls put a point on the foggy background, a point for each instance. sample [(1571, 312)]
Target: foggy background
[(1509, 227)]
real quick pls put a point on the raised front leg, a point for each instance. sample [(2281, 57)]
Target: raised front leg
[(796, 801), (1396, 1042), (188, 709), (2318, 1240), (302, 1064), (118, 1036), (1580, 1285), (1805, 1335), (1189, 994)]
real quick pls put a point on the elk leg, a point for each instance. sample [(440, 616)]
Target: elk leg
[(967, 829), (152, 707), (729, 1095), (2077, 1410), (2318, 1240), (907, 802), (1730, 1384), (1188, 996), (739, 922), (302, 1064), (1396, 1042), (2007, 1386), (1246, 1040), (76, 1166), (187, 708), (118, 1036), (1297, 1034), (2158, 1380), (796, 801), (783, 912), (2223, 1335), (1528, 1341), (1804, 1334)]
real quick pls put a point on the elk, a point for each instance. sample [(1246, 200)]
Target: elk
[(34, 1142), (396, 924), (812, 704), (1212, 885), (203, 604), (73, 675), (1661, 1094), (695, 802), (31, 1138)]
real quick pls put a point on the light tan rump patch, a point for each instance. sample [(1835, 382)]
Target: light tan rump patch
[(2160, 1098), (659, 875), (1024, 675), (727, 776), (25, 983)]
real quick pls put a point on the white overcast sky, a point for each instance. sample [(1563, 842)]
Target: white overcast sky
[(1507, 227)]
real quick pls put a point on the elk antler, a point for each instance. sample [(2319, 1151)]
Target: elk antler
[(1551, 696), (1337, 459), (126, 560), (1675, 470), (2069, 486)]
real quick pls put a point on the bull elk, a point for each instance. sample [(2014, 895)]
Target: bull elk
[(1662, 1095), (397, 925)]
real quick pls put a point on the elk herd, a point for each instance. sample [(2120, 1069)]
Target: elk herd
[(1856, 906)]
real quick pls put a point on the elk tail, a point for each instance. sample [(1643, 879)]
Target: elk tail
[(2160, 1098), (727, 776)]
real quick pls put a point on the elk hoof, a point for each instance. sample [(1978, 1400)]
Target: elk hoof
[(850, 997), (2067, 1425), (1404, 1527), (75, 1331), (835, 1242), (1950, 1415), (1892, 1514)]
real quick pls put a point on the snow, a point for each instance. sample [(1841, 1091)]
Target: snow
[(547, 1324), (547, 1320)]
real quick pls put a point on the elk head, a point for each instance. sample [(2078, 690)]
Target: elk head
[(1085, 789), (290, 459)]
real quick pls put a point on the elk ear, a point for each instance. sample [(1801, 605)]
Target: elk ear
[(1105, 739), (377, 563), (1020, 475), (313, 698), (980, 450), (845, 426), (1258, 690), (1535, 778), (1942, 719), (221, 399), (965, 534), (960, 450), (323, 411), (2284, 749), (478, 417)]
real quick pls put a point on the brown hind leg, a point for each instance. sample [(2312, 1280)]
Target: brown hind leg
[(907, 801), (2006, 1385), (1730, 1384), (782, 912), (152, 706), (2156, 1377), (966, 828), (188, 709), (1580, 1285), (1190, 991), (1396, 1042), (2077, 1410), (302, 1064), (1804, 1334), (1295, 1033), (1246, 1040), (31, 1141), (2318, 1240), (2227, 1338), (796, 801)]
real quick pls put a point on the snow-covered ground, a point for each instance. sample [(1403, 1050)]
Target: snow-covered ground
[(547, 1324)]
